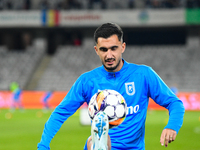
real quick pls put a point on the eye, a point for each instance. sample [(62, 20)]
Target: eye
[(114, 48), (103, 49)]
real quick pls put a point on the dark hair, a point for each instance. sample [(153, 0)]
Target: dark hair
[(108, 29)]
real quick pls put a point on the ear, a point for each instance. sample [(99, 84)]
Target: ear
[(123, 47), (96, 49)]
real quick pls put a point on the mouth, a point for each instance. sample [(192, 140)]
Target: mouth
[(110, 61)]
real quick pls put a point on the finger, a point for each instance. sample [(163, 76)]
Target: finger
[(174, 136), (162, 137), (170, 139), (167, 140)]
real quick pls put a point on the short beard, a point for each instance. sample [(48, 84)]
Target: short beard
[(111, 69)]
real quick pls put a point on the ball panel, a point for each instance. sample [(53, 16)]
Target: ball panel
[(110, 111), (100, 97), (112, 100), (116, 122), (119, 111), (91, 111), (113, 92)]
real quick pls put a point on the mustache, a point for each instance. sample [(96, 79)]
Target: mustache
[(109, 59)]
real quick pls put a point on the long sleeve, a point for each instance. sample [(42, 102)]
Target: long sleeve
[(163, 96), (73, 100)]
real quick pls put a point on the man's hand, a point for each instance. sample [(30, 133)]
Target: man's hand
[(167, 136)]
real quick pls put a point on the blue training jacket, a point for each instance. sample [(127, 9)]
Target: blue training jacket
[(136, 83)]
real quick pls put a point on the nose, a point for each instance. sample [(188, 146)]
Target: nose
[(109, 54)]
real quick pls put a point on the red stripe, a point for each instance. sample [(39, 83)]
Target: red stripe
[(57, 17)]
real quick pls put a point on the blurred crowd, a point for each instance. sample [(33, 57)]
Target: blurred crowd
[(94, 4)]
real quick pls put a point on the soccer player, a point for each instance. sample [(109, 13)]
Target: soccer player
[(137, 83), (46, 99), (16, 96)]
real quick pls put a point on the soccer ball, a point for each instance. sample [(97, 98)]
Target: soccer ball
[(112, 103)]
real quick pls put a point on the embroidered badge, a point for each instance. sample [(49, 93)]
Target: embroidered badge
[(130, 88)]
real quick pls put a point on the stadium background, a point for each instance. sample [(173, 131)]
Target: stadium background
[(46, 44)]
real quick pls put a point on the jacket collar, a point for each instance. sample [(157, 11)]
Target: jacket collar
[(115, 74)]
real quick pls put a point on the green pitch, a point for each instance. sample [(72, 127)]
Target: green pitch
[(21, 130)]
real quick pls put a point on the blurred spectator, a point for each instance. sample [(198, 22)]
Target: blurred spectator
[(171, 3), (139, 4), (59, 5), (76, 40), (27, 4), (148, 3), (9, 5), (74, 4), (193, 4), (71, 4), (65, 4), (95, 4), (156, 4), (1, 4), (44, 4), (103, 4), (26, 39), (131, 4), (117, 4)]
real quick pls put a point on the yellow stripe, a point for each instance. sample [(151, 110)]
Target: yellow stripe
[(51, 16)]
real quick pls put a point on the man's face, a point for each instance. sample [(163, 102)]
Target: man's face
[(110, 52)]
